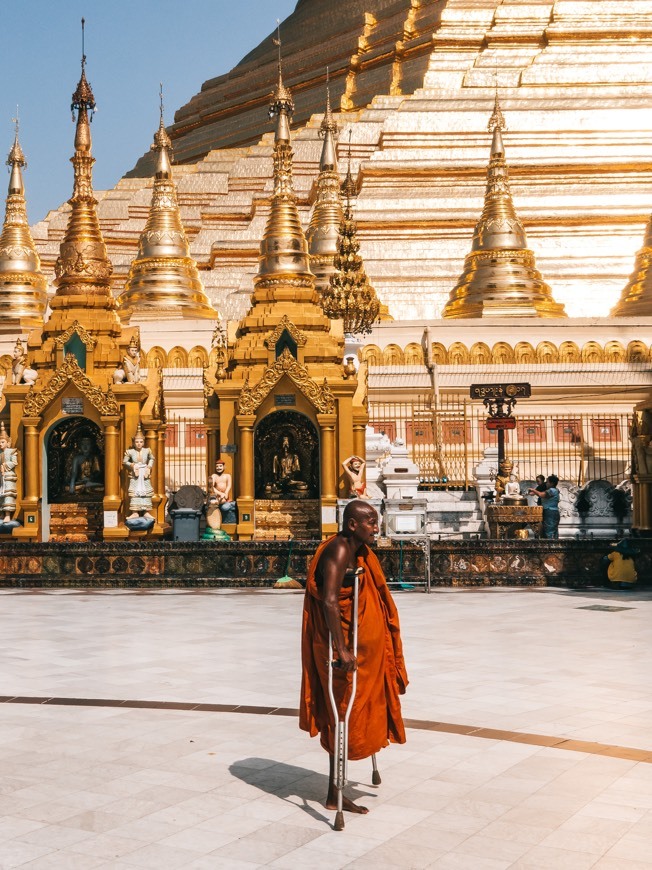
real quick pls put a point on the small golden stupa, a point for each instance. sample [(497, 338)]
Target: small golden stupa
[(636, 298), (163, 280), (286, 410), (327, 213), (23, 287), (500, 278)]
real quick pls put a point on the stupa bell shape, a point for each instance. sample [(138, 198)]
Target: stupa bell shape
[(500, 278), (163, 280), (283, 250), (636, 298), (23, 287), (327, 213)]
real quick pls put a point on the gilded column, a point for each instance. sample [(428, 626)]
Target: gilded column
[(245, 495), (327, 423), (159, 465), (359, 439), (112, 493), (31, 474)]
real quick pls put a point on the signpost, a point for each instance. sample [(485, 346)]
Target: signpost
[(499, 400)]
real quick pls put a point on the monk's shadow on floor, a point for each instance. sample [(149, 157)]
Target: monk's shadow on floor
[(296, 785)]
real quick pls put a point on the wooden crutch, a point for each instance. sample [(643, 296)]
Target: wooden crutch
[(341, 748)]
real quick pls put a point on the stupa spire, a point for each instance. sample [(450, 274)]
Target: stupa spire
[(500, 277), (83, 267), (327, 213), (636, 298), (284, 249), (22, 285), (163, 280), (349, 296)]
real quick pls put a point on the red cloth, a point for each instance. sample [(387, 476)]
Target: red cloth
[(376, 715)]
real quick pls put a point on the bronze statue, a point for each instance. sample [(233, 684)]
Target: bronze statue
[(502, 478), (85, 471), (286, 469)]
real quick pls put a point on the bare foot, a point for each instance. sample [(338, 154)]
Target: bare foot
[(347, 804)]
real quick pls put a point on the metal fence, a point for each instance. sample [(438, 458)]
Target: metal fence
[(185, 452), (448, 440)]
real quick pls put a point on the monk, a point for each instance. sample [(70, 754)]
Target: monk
[(376, 715)]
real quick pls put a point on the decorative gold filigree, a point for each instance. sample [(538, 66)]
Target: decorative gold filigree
[(35, 402), (295, 333), (319, 395), (64, 337)]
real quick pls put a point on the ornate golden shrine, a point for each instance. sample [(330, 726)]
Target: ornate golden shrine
[(285, 382), (73, 425)]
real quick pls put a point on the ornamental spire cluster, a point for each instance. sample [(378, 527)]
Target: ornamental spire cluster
[(500, 277), (22, 284), (163, 280), (349, 295)]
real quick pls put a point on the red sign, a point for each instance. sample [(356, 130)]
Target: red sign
[(501, 423)]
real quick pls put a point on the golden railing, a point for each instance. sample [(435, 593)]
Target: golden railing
[(448, 439)]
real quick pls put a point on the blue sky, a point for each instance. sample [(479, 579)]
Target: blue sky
[(130, 48)]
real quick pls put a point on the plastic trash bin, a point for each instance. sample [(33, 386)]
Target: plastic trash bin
[(185, 524)]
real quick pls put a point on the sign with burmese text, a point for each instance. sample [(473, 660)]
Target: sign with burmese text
[(500, 391)]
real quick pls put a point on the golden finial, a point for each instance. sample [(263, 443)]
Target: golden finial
[(500, 276), (349, 187), (282, 104), (16, 156), (162, 141), (83, 99)]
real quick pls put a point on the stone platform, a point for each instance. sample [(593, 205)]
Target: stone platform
[(259, 564)]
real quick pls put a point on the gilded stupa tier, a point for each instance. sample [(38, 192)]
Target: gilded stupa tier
[(500, 276), (163, 280), (636, 299), (327, 213), (415, 81), (23, 287), (284, 289)]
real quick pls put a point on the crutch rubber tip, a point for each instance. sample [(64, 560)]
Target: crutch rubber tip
[(375, 778), (339, 821)]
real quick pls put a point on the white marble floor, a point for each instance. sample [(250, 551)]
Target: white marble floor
[(125, 787)]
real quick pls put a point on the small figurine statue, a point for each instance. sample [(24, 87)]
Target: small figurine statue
[(139, 461), (512, 488), (502, 478), (85, 471), (8, 478), (286, 468), (354, 468), (219, 495), (19, 363), (130, 370)]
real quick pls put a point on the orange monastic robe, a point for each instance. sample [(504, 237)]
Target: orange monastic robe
[(376, 715)]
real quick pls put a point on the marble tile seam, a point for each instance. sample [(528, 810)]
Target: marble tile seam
[(627, 753)]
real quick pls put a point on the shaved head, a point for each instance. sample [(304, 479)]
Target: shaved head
[(358, 510)]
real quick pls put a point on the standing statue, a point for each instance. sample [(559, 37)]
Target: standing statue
[(130, 370), (19, 363), (354, 469), (85, 471), (8, 477), (139, 461)]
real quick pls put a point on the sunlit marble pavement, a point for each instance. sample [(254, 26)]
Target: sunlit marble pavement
[(85, 787)]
